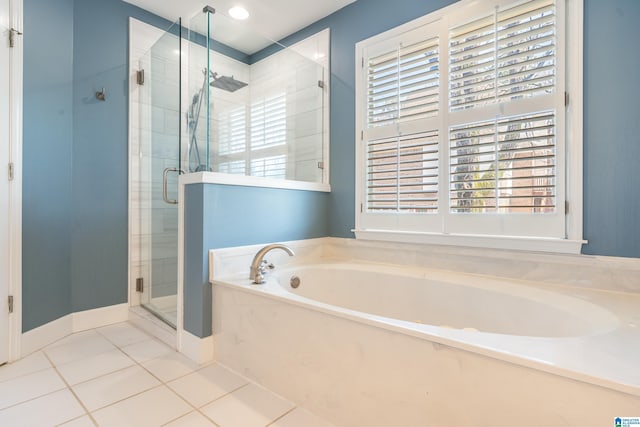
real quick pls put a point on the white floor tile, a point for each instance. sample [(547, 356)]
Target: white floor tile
[(123, 334), (113, 387), (30, 386), (79, 422), (250, 406), (77, 347), (207, 384), (27, 365), (194, 419), (299, 417), (147, 350), (49, 410), (151, 408), (94, 366), (73, 338), (170, 366)]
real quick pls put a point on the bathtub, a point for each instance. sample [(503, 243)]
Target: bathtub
[(367, 343)]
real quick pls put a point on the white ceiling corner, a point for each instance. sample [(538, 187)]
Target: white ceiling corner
[(272, 20)]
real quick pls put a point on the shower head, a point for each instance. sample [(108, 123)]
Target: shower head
[(228, 83)]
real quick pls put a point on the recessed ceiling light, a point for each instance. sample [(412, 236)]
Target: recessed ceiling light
[(238, 12)]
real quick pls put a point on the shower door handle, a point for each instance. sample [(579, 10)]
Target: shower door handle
[(164, 185)]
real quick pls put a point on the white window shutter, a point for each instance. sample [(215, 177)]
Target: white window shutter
[(403, 84), (507, 165), (463, 123), (269, 122), (403, 173)]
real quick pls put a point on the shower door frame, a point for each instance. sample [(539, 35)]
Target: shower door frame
[(142, 37)]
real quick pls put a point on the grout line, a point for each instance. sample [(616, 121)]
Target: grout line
[(161, 382), (77, 418), (72, 392), (33, 398), (26, 374), (282, 416)]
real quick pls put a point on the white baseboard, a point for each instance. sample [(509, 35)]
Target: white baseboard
[(48, 333), (44, 335), (200, 350)]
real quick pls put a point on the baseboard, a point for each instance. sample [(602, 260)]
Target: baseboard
[(48, 333), (200, 350), (98, 317)]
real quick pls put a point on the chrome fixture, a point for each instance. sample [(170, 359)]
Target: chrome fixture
[(165, 197), (228, 83), (294, 282), (259, 266), (101, 95)]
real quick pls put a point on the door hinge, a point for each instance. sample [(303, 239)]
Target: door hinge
[(12, 36), (140, 77), (139, 284), (320, 84), (361, 207), (363, 62), (321, 165), (566, 99), (11, 172), (361, 135), (10, 302), (566, 207)]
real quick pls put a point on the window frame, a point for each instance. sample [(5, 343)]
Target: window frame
[(569, 156)]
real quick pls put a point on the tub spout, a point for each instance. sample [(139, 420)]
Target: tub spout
[(257, 271)]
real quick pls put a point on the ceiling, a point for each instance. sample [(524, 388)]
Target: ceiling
[(268, 20)]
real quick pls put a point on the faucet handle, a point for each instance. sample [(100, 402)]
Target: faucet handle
[(267, 264)]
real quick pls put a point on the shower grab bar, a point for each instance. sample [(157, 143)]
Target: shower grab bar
[(165, 196)]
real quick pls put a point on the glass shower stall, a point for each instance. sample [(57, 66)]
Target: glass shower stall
[(216, 98)]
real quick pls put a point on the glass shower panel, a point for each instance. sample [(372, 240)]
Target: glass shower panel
[(257, 107), (160, 166)]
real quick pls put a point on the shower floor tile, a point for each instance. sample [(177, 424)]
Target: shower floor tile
[(119, 376)]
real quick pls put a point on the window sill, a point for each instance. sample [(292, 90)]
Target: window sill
[(251, 181), (530, 244)]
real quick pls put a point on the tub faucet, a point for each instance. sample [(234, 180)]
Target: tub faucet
[(258, 270)]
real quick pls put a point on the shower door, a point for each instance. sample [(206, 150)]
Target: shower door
[(159, 85)]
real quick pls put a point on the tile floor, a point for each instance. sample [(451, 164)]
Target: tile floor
[(120, 376)]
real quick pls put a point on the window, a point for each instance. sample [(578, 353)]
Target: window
[(262, 149), (462, 123)]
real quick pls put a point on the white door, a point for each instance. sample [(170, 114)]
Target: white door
[(4, 179)]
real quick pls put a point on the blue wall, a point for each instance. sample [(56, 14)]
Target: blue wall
[(219, 216), (75, 155), (611, 125), (611, 128), (47, 147)]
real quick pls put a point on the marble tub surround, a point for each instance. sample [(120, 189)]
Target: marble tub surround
[(583, 271), (340, 363)]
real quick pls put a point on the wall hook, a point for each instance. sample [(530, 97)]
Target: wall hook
[(101, 95)]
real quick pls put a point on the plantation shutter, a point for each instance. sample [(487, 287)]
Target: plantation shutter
[(401, 136), (462, 123), (403, 173), (507, 164), (403, 84), (269, 122), (505, 56), (504, 113), (232, 133)]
